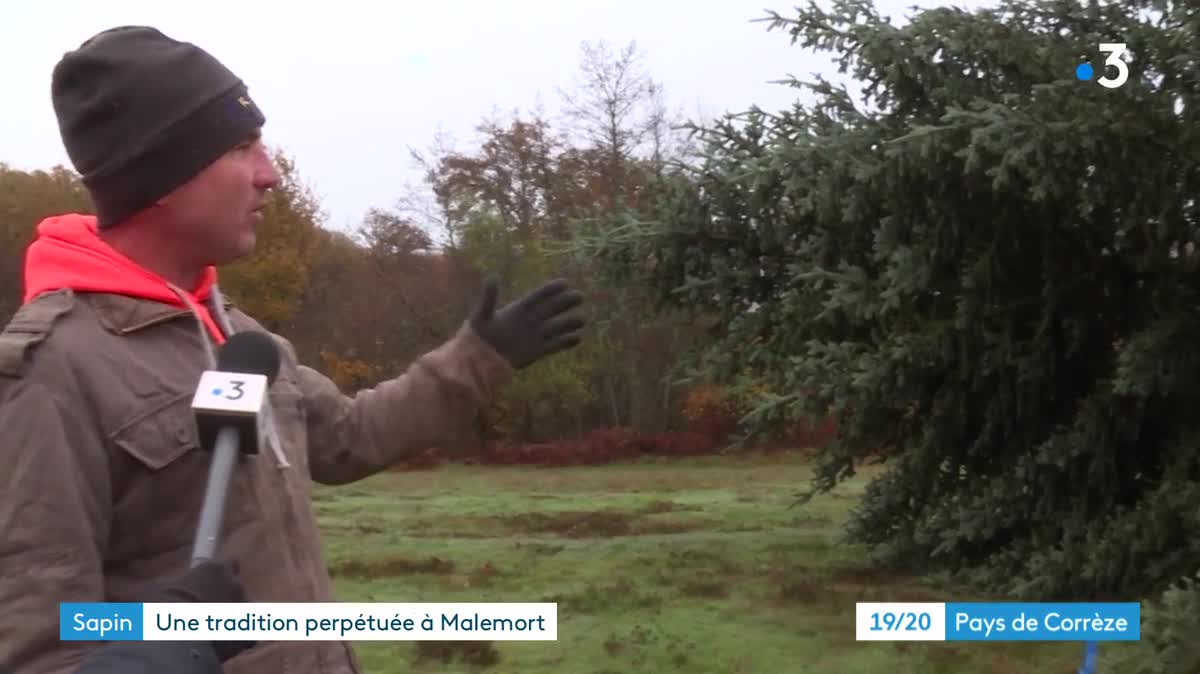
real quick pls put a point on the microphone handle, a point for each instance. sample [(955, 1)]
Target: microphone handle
[(213, 511)]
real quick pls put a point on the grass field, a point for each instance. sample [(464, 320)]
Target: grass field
[(693, 565)]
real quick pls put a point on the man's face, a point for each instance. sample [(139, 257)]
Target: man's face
[(214, 216)]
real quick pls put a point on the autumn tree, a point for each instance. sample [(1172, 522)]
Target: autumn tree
[(269, 284), (546, 400), (514, 173), (410, 285), (502, 205), (27, 197), (328, 326)]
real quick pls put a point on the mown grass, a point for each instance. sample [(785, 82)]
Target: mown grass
[(694, 565)]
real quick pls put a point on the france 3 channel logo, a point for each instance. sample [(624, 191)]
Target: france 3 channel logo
[(1084, 72)]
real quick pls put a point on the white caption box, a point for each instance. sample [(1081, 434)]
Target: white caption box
[(335, 621), (230, 393), (900, 621)]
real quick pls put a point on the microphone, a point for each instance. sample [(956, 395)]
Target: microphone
[(228, 408)]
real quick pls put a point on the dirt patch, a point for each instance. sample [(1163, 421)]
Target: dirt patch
[(434, 531), (593, 524), (708, 560), (478, 653), (840, 638), (705, 589), (741, 529), (837, 587), (450, 526), (887, 585), (657, 507), (541, 548), (640, 644), (803, 591), (569, 524), (483, 575), (386, 567), (604, 597), (861, 576), (814, 521), (480, 576), (368, 525)]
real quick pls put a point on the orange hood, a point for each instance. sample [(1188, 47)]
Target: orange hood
[(68, 253)]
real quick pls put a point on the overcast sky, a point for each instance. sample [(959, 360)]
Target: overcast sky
[(348, 86)]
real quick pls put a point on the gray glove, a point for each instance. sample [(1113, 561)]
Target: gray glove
[(532, 327)]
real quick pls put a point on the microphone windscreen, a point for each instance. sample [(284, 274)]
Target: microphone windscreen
[(250, 352)]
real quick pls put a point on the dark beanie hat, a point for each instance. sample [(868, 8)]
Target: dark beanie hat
[(140, 114)]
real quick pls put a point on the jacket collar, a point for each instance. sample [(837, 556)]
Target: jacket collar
[(124, 314)]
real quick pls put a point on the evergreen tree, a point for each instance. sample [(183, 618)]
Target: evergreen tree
[(985, 268)]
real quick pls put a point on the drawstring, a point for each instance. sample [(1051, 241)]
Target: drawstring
[(210, 355), (216, 306)]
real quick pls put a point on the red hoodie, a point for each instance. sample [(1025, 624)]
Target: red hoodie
[(68, 253)]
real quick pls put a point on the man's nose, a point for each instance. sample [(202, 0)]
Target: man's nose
[(267, 175)]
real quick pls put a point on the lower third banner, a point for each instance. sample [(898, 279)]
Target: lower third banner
[(308, 622), (998, 621)]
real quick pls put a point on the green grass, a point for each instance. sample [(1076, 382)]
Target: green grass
[(694, 565)]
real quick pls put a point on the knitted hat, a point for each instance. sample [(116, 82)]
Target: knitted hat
[(140, 114)]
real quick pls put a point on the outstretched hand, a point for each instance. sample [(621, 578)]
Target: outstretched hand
[(531, 327)]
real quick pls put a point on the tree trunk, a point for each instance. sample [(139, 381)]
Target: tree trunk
[(614, 406), (483, 432), (527, 422)]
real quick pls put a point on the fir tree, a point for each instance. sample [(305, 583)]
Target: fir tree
[(985, 268)]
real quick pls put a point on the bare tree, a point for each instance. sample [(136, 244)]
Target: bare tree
[(607, 108)]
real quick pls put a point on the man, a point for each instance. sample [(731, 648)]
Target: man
[(101, 474), (209, 582)]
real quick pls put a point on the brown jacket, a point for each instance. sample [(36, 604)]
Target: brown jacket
[(101, 476)]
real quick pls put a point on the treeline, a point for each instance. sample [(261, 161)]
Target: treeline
[(361, 305)]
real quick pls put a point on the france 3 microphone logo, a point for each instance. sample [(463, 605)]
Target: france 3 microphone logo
[(230, 392), (1114, 71)]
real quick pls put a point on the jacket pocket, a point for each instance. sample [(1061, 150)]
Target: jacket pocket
[(161, 435), (160, 475)]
